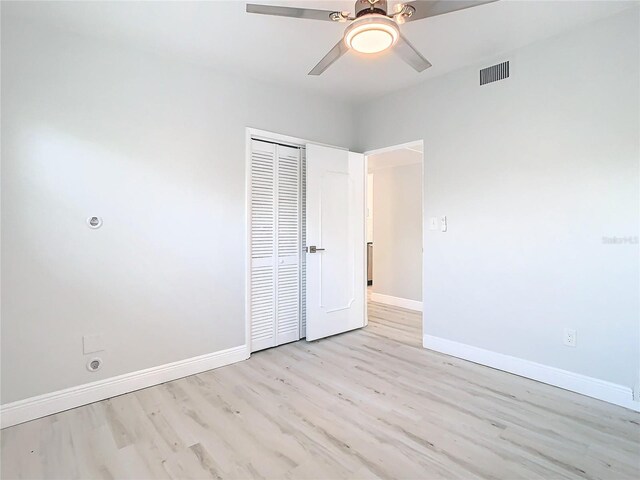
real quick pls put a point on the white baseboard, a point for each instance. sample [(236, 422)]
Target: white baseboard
[(396, 301), (50, 403), (575, 382)]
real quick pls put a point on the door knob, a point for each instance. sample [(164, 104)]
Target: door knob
[(314, 249)]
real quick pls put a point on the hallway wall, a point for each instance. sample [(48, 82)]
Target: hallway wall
[(397, 232)]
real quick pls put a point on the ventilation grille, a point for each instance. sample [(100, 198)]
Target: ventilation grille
[(494, 73)]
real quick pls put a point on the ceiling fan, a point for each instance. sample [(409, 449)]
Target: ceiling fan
[(372, 30)]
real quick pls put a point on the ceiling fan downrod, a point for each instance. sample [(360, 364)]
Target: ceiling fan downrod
[(367, 7)]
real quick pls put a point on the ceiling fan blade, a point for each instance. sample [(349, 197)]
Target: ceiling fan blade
[(409, 54), (334, 54), (291, 12), (431, 8)]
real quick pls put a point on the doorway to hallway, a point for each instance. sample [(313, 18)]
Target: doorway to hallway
[(395, 236)]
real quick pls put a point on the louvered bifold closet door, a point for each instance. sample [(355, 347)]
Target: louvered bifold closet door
[(275, 245), (303, 244), (263, 235), (288, 230)]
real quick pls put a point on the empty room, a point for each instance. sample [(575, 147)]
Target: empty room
[(300, 239)]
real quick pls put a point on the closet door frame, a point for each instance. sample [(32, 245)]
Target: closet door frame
[(257, 134)]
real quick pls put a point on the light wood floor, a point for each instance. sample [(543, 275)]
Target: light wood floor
[(369, 403)]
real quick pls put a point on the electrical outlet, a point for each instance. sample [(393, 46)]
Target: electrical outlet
[(443, 223), (569, 337)]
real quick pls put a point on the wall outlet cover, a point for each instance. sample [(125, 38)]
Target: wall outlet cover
[(92, 343), (569, 337)]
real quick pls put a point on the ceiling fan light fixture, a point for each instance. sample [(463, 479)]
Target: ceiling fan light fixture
[(371, 34)]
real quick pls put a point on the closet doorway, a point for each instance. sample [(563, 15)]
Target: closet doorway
[(298, 193)]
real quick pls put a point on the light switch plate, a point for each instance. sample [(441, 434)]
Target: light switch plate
[(443, 223), (92, 343), (433, 223)]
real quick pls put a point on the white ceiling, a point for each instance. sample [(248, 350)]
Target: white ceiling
[(221, 35)]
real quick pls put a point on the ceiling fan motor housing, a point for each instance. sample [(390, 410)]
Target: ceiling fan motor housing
[(365, 7)]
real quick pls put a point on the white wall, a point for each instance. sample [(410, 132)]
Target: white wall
[(155, 147), (532, 172), (397, 230)]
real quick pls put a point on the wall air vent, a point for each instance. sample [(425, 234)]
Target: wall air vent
[(494, 73)]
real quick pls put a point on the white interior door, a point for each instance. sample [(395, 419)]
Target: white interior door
[(336, 272)]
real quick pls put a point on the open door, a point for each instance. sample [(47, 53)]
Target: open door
[(335, 211)]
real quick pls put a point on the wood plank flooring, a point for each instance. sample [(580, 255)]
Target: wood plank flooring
[(365, 404)]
